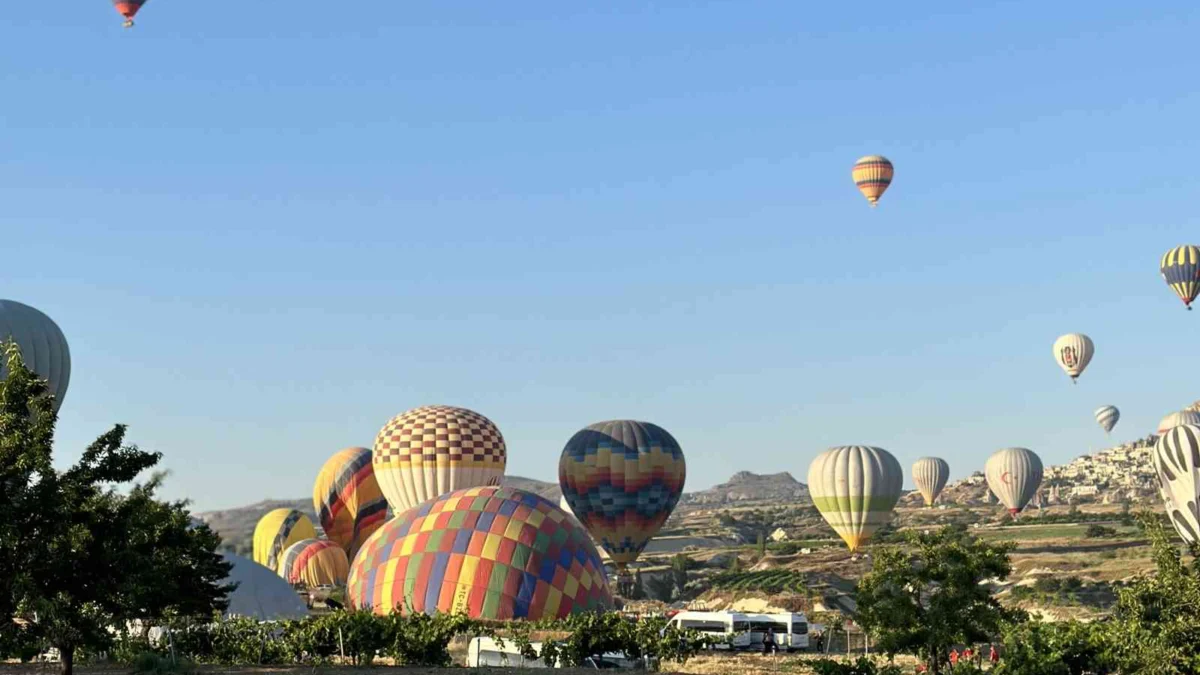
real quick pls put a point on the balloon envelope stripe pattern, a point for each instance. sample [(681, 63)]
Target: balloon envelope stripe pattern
[(1177, 463), (315, 562), (349, 504), (278, 530), (491, 552), (1180, 268), (1176, 419), (930, 475), (43, 346), (1074, 352), (872, 175), (1107, 417), (1014, 476), (855, 488), (622, 479)]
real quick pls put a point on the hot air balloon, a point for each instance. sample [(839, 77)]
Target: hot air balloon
[(873, 174), (930, 475), (1014, 475), (562, 504), (492, 553), (43, 346), (429, 451), (1107, 417), (128, 9), (1175, 460), (278, 530), (1073, 352), (1177, 418), (1180, 268), (315, 562), (622, 479), (855, 488), (347, 499)]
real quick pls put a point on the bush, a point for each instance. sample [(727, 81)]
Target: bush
[(1099, 532), (154, 663), (861, 666)]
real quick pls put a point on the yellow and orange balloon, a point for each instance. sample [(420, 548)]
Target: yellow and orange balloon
[(873, 174)]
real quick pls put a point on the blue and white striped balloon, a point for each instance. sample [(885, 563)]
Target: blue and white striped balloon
[(1107, 416)]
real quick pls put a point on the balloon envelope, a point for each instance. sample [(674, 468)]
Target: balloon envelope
[(1176, 460), (488, 552), (1180, 268), (347, 499), (1073, 352), (622, 479), (930, 475), (1177, 418), (855, 488), (1107, 417), (429, 451), (278, 530), (872, 175), (1014, 476), (315, 562), (43, 346)]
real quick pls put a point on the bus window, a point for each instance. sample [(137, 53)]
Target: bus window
[(800, 628)]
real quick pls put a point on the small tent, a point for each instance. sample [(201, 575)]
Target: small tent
[(261, 594)]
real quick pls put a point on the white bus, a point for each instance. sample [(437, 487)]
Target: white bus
[(746, 631), (487, 653)]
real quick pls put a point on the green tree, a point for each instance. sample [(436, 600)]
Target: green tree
[(1156, 625), (76, 557), (680, 565), (1068, 648), (924, 600)]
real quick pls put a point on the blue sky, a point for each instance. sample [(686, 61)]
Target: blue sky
[(266, 230)]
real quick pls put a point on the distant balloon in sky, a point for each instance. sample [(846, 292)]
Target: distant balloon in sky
[(930, 475), (1177, 418), (622, 479), (278, 530), (128, 9), (1014, 476), (347, 499), (1107, 417), (855, 488), (1176, 455), (1180, 268), (1074, 352), (873, 174), (428, 451), (43, 345)]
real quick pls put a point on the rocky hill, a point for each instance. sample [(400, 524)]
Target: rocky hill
[(746, 488)]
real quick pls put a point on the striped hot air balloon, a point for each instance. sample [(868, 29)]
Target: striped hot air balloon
[(1107, 417), (1073, 352), (315, 562), (492, 553), (347, 499), (43, 345), (278, 530), (855, 488), (429, 451), (1014, 476), (930, 475), (622, 479), (1177, 418), (1180, 268), (1176, 460), (873, 174)]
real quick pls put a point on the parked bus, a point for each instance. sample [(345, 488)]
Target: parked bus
[(738, 631)]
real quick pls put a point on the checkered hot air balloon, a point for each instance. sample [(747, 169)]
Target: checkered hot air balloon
[(1180, 268), (347, 499), (622, 479), (429, 451), (855, 488), (1107, 417), (128, 9), (873, 174), (492, 553), (278, 530), (315, 562)]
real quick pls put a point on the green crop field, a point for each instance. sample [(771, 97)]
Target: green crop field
[(766, 581)]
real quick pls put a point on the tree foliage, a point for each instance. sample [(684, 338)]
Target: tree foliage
[(924, 599)]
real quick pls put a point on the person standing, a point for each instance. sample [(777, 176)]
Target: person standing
[(994, 656), (953, 657)]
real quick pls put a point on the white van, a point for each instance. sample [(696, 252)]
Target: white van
[(746, 631), (485, 652)]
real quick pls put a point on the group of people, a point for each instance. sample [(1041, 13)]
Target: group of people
[(967, 656)]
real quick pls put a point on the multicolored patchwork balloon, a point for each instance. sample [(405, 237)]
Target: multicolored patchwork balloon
[(278, 530), (347, 499), (488, 552), (429, 451), (622, 479), (315, 562), (855, 488)]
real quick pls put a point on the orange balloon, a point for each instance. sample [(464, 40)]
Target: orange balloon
[(873, 174)]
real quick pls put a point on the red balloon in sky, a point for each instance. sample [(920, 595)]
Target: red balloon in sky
[(128, 8)]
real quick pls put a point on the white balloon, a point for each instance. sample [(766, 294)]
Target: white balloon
[(1014, 475)]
